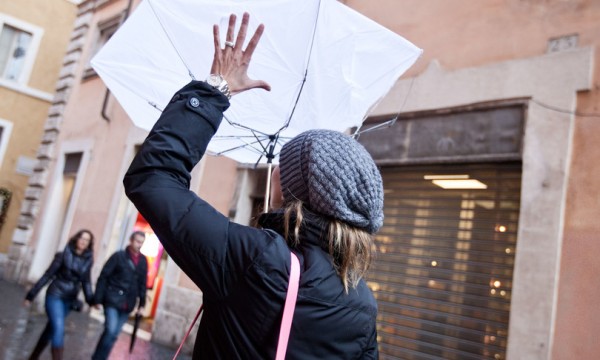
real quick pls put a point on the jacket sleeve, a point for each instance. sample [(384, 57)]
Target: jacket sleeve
[(372, 352), (106, 272), (48, 275), (212, 251), (142, 282)]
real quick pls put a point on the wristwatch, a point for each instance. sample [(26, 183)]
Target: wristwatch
[(218, 82)]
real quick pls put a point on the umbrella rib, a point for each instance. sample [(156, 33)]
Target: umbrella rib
[(154, 105), (170, 41), (246, 144), (227, 137), (388, 123), (234, 124), (278, 141), (312, 43), (258, 140)]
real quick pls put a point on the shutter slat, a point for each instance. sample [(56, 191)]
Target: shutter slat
[(442, 275)]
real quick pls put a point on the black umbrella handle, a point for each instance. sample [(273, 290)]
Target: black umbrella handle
[(136, 325)]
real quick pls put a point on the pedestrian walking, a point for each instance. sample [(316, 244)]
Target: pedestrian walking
[(331, 195), (121, 284), (68, 273)]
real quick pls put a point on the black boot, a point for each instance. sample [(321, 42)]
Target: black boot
[(41, 344), (57, 353)]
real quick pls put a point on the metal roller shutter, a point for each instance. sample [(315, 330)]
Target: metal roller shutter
[(442, 275)]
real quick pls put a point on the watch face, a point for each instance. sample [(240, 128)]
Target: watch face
[(214, 80)]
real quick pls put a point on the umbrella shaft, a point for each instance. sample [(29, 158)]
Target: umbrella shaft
[(268, 189)]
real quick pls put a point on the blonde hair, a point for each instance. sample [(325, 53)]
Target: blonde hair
[(350, 247)]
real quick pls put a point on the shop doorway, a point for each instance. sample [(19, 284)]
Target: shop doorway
[(157, 259), (443, 271)]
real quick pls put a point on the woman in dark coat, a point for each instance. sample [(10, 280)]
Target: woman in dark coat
[(331, 198), (68, 273)]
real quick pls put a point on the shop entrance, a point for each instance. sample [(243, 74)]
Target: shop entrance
[(157, 259), (443, 271)]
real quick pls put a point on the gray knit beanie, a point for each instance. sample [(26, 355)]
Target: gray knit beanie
[(333, 175)]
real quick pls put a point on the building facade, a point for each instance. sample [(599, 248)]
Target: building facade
[(33, 39), (87, 145), (487, 250), (506, 93)]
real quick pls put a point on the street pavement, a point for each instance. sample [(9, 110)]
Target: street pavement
[(20, 328)]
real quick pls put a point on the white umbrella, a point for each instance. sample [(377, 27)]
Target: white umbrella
[(327, 66)]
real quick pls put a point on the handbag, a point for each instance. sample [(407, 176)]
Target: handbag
[(288, 312), (76, 305)]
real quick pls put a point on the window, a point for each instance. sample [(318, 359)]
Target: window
[(14, 44), (18, 48), (5, 129), (5, 196)]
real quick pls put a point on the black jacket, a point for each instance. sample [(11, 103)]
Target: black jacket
[(68, 272), (242, 271), (121, 283)]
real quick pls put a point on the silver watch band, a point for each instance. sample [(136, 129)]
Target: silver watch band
[(218, 82)]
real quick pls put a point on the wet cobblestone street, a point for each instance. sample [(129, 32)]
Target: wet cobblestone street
[(20, 328)]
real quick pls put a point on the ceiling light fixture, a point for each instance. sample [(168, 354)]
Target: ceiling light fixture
[(455, 182)]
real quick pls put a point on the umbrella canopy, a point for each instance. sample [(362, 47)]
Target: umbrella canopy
[(327, 66)]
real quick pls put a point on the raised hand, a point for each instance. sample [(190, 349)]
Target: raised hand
[(232, 61)]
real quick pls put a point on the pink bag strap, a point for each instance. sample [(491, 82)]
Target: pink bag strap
[(288, 312), (288, 308), (188, 332)]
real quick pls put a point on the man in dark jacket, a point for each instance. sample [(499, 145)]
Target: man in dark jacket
[(121, 283)]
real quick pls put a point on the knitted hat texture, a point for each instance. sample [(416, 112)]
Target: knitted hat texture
[(332, 174)]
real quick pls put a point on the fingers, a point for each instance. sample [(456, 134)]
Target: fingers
[(253, 42), (232, 61), (262, 85), (241, 36), (216, 38), (253, 84), (217, 55), (239, 42), (230, 30)]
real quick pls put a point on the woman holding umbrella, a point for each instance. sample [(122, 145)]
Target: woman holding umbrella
[(69, 272), (328, 196)]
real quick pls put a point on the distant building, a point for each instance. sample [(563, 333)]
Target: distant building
[(33, 40), (488, 249)]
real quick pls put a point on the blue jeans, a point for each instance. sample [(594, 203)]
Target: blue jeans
[(113, 322), (57, 310)]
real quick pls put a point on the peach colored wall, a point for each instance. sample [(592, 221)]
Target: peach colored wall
[(103, 173), (218, 182), (463, 34), (578, 314), (82, 121)]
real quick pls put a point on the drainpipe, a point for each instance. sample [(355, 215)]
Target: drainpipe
[(107, 93)]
